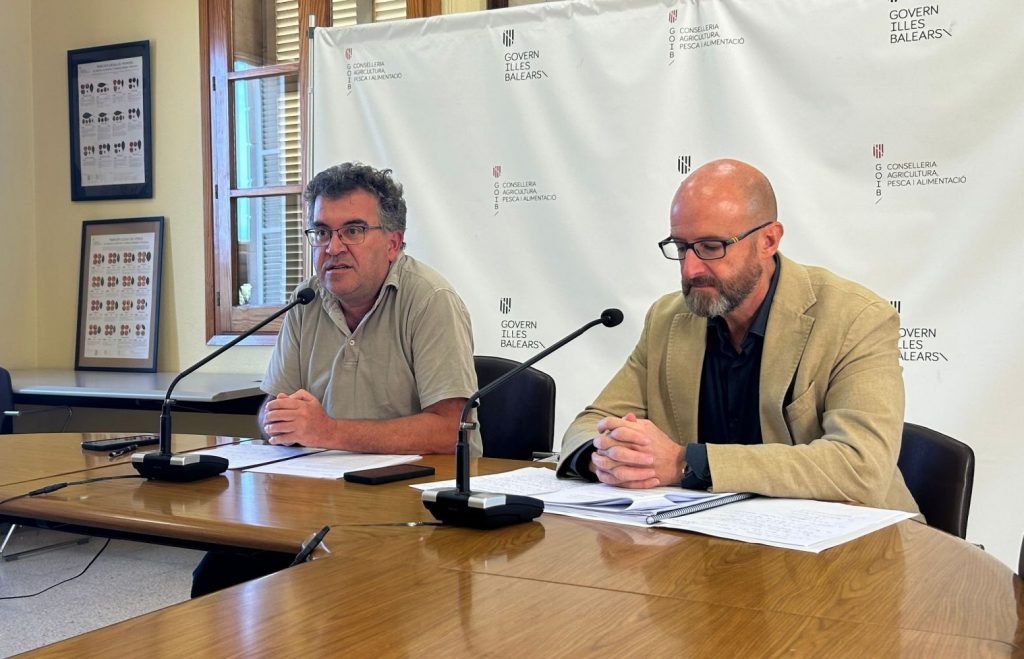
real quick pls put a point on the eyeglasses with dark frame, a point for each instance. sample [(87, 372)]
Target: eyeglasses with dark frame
[(350, 234), (710, 249)]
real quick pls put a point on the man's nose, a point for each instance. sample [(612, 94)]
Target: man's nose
[(336, 246), (692, 266)]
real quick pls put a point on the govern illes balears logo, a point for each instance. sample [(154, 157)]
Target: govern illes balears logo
[(908, 25), (520, 64), (518, 333), (918, 344)]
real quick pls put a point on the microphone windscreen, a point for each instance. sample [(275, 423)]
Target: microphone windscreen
[(611, 317), (306, 295)]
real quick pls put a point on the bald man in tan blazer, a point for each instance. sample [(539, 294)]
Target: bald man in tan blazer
[(830, 384)]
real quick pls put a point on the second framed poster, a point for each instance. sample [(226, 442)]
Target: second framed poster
[(119, 295)]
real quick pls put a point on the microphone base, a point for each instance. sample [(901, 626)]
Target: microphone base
[(481, 510), (178, 468)]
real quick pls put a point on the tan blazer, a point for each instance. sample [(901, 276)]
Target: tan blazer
[(831, 388)]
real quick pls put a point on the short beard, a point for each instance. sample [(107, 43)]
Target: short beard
[(730, 294)]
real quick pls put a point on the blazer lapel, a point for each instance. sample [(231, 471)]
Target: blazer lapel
[(784, 342), (683, 366)]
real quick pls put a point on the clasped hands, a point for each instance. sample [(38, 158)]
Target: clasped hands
[(635, 453), (298, 418)]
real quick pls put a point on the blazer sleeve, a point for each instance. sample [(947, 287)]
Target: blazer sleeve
[(626, 392)]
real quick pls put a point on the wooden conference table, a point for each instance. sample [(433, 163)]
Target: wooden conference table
[(555, 587)]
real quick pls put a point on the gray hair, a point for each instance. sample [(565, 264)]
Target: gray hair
[(341, 180)]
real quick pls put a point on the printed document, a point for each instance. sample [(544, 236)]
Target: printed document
[(801, 524)]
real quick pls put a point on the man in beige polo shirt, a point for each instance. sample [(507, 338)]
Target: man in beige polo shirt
[(382, 360)]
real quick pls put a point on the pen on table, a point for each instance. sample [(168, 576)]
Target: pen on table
[(121, 451), (309, 546)]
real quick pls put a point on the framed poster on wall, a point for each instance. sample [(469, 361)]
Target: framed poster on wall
[(119, 295), (109, 118)]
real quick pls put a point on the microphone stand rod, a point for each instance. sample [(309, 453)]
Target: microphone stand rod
[(462, 445), (165, 408)]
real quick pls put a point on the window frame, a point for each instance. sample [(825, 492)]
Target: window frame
[(224, 319)]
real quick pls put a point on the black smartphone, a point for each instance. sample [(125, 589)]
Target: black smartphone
[(388, 474), (115, 443)]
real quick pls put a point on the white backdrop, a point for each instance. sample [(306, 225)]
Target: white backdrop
[(540, 148)]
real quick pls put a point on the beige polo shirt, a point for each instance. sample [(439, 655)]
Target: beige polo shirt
[(413, 349)]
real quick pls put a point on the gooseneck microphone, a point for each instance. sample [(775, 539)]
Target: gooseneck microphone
[(485, 510), (163, 465)]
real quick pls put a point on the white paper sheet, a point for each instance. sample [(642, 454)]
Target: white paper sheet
[(528, 481), (333, 464), (249, 454), (789, 523)]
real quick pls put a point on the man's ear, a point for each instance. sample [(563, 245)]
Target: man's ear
[(771, 237), (395, 241)]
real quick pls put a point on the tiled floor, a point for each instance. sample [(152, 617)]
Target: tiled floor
[(127, 580)]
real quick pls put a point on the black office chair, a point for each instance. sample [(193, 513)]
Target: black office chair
[(939, 471), (518, 418), (1020, 561), (6, 402)]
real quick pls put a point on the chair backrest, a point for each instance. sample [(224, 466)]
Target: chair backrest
[(517, 418), (939, 471), (1020, 561), (6, 402)]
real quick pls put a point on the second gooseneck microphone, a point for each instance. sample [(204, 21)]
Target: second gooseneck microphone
[(485, 510)]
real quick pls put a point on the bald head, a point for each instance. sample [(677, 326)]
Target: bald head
[(735, 194), (727, 209)]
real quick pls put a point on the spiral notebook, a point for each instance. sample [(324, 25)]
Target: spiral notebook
[(650, 506), (698, 507)]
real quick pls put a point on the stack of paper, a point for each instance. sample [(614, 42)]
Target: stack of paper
[(789, 523)]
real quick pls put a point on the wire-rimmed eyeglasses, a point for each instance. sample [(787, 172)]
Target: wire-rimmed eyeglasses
[(350, 234)]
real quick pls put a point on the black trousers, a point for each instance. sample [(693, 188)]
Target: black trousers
[(223, 568)]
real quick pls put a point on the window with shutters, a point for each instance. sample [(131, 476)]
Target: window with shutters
[(254, 54)]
